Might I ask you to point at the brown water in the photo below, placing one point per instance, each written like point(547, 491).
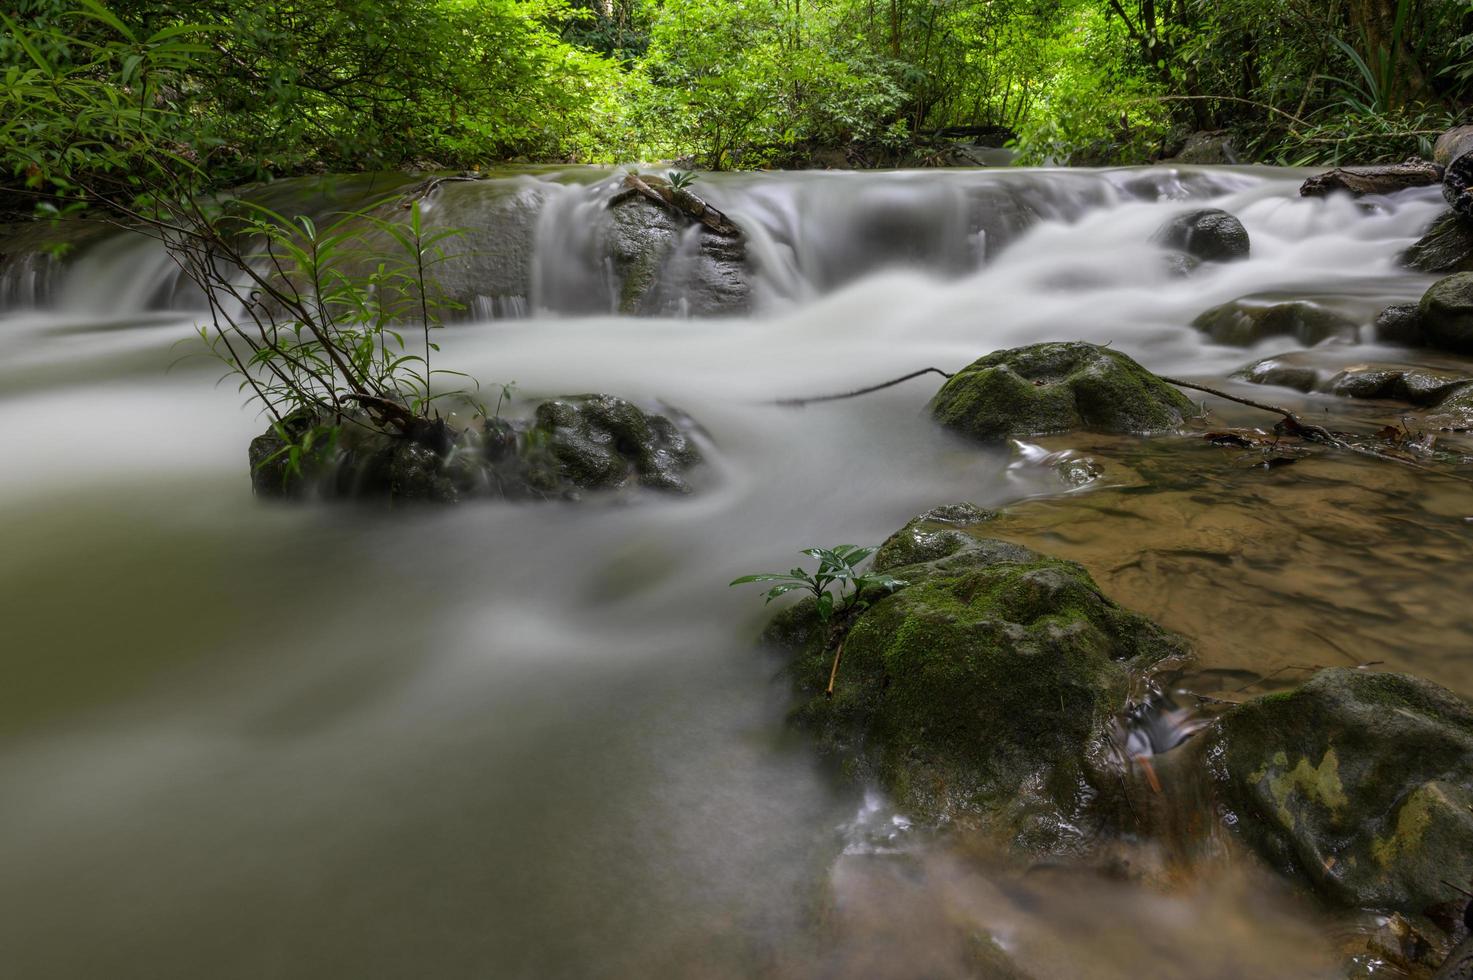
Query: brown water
point(239, 740)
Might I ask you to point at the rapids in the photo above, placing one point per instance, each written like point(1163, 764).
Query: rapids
point(243, 741)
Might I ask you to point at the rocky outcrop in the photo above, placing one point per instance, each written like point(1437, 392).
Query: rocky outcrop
point(1447, 313)
point(1360, 783)
point(1386, 179)
point(1400, 323)
point(1457, 186)
point(1205, 148)
point(1209, 235)
point(1453, 144)
point(980, 691)
point(1243, 323)
point(568, 446)
point(1446, 247)
point(1057, 387)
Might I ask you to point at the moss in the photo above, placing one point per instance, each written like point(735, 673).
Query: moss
point(1057, 387)
point(979, 691)
point(1359, 782)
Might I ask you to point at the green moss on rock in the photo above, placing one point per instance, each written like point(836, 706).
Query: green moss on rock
point(981, 691)
point(1361, 783)
point(1057, 387)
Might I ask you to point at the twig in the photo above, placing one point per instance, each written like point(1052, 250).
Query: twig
point(1314, 433)
point(834, 672)
point(800, 402)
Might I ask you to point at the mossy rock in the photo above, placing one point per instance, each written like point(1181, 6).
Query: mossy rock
point(1243, 324)
point(1400, 323)
point(1447, 313)
point(1446, 247)
point(1454, 413)
point(980, 692)
point(1279, 373)
point(569, 445)
point(1360, 783)
point(1057, 387)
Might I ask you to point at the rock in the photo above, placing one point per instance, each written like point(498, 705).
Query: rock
point(1242, 323)
point(1453, 144)
point(1386, 179)
point(1206, 148)
point(1447, 313)
point(1273, 371)
point(569, 445)
point(1457, 185)
point(1361, 783)
point(1209, 234)
point(1400, 324)
point(1057, 387)
point(1446, 247)
point(980, 691)
point(1416, 386)
point(1454, 413)
point(658, 270)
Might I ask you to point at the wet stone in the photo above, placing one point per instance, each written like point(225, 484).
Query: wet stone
point(1209, 234)
point(1243, 324)
point(1278, 373)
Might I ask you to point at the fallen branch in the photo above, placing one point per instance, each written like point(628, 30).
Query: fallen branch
point(1294, 426)
point(800, 402)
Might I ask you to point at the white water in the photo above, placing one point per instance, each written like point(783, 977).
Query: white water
point(240, 740)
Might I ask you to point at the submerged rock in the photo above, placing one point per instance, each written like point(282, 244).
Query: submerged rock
point(1278, 373)
point(1209, 234)
point(569, 445)
point(1416, 386)
point(1243, 324)
point(1400, 323)
point(1446, 247)
point(1454, 413)
point(1057, 387)
point(1385, 179)
point(980, 691)
point(1447, 313)
point(1360, 783)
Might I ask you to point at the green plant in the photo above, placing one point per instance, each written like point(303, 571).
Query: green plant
point(680, 179)
point(838, 586)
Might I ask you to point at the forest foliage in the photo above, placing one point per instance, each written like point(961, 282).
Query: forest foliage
point(249, 91)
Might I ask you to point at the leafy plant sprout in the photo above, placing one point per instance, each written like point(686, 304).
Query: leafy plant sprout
point(681, 179)
point(838, 587)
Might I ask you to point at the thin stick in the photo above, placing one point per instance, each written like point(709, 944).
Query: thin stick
point(834, 673)
point(800, 402)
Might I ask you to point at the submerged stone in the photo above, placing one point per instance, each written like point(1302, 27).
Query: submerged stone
point(1057, 387)
point(1275, 371)
point(1243, 324)
point(1417, 386)
point(980, 691)
point(569, 445)
point(1361, 783)
point(1447, 313)
point(1454, 413)
point(1209, 234)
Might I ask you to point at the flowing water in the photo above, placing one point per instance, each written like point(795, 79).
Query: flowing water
point(240, 740)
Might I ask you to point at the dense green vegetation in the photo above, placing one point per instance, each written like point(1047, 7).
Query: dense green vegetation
point(246, 91)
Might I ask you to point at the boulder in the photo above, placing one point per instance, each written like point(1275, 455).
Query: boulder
point(567, 446)
point(1385, 179)
point(1457, 185)
point(1453, 144)
point(1360, 783)
point(1447, 313)
point(1057, 387)
point(1416, 386)
point(1209, 234)
point(659, 269)
point(980, 691)
point(1243, 323)
point(1400, 323)
point(1206, 148)
point(1446, 247)
point(1276, 372)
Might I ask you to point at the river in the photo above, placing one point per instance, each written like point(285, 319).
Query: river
point(245, 740)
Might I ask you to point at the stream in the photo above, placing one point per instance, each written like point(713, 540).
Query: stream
point(241, 739)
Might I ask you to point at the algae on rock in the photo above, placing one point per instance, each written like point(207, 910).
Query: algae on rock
point(981, 691)
point(1057, 387)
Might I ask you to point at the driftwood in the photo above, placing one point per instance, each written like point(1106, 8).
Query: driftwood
point(1359, 181)
point(426, 187)
point(677, 200)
